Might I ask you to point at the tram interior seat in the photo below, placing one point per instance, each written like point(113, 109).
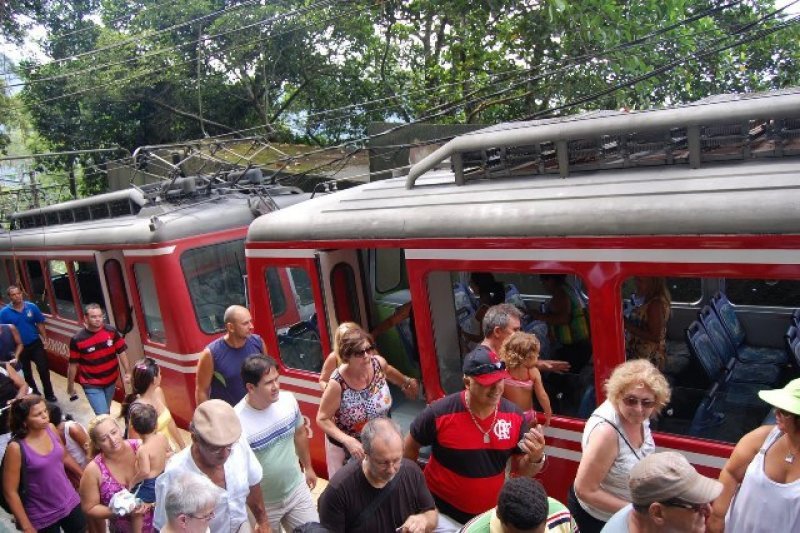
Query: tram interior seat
point(745, 372)
point(796, 318)
point(793, 344)
point(718, 377)
point(736, 334)
point(300, 347)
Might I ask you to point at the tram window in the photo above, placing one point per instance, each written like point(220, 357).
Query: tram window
point(87, 278)
point(716, 357)
point(345, 295)
point(148, 298)
point(390, 272)
point(472, 293)
point(120, 305)
point(62, 290)
point(215, 277)
point(38, 292)
point(682, 290)
point(296, 327)
point(764, 292)
point(5, 268)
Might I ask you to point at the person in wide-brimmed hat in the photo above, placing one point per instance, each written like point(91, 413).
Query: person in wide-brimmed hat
point(762, 478)
point(219, 452)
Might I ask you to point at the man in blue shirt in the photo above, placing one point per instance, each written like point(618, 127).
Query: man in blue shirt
point(29, 322)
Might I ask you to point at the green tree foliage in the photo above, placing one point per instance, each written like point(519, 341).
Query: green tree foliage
point(158, 71)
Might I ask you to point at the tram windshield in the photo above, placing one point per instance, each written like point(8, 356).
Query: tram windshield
point(215, 277)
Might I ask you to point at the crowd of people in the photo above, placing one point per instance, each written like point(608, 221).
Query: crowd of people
point(247, 465)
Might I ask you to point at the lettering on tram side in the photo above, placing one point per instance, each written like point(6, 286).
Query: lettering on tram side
point(56, 346)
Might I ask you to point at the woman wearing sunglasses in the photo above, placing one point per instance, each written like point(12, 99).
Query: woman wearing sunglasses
point(761, 480)
point(615, 438)
point(357, 392)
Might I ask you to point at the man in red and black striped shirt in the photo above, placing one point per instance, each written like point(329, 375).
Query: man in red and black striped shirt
point(95, 355)
point(473, 435)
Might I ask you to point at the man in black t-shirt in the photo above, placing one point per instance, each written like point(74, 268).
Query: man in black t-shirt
point(383, 493)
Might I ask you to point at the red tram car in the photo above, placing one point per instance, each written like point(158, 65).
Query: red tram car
point(163, 261)
point(705, 195)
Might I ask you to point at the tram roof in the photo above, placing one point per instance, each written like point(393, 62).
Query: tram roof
point(753, 197)
point(171, 222)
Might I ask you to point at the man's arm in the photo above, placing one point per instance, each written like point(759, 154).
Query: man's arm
point(205, 372)
point(332, 510)
point(420, 523)
point(303, 453)
point(255, 501)
point(72, 371)
point(411, 448)
point(42, 330)
point(17, 341)
point(125, 363)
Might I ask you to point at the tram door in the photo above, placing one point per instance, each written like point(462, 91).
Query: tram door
point(116, 290)
point(340, 272)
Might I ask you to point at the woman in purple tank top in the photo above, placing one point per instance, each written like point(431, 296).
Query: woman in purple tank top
point(50, 503)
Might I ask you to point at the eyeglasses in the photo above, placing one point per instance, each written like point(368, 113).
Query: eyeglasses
point(205, 518)
point(633, 401)
point(210, 448)
point(363, 352)
point(694, 507)
point(386, 464)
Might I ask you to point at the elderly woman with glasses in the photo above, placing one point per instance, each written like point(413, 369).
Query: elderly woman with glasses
point(357, 392)
point(615, 438)
point(761, 480)
point(189, 504)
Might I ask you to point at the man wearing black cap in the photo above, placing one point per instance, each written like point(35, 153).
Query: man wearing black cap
point(473, 434)
point(668, 495)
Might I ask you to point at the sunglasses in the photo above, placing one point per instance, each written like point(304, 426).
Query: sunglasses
point(486, 368)
point(694, 507)
point(633, 401)
point(363, 352)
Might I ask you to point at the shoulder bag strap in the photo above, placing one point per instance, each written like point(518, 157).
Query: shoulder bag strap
point(621, 434)
point(377, 501)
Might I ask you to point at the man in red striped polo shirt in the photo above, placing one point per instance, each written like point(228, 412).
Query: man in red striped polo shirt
point(95, 355)
point(474, 434)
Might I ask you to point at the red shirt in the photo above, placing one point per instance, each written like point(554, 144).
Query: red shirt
point(96, 355)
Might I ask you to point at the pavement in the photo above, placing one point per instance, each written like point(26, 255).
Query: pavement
point(82, 412)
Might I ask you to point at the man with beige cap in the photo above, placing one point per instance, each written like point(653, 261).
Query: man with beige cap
point(668, 495)
point(219, 452)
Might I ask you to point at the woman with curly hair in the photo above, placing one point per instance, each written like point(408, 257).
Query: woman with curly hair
point(520, 352)
point(615, 438)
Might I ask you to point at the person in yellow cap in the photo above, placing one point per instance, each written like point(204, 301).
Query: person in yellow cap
point(762, 477)
point(220, 453)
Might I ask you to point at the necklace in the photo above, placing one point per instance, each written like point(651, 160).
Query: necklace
point(789, 456)
point(486, 432)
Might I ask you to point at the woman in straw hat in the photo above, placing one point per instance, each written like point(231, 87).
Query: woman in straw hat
point(762, 478)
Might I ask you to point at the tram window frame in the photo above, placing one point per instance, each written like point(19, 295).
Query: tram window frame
point(5, 277)
point(58, 272)
point(383, 259)
point(149, 302)
point(214, 323)
point(42, 300)
point(120, 303)
point(628, 288)
point(766, 305)
point(300, 341)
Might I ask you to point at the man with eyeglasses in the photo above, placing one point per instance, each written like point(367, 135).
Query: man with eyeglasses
point(272, 423)
point(668, 495)
point(474, 433)
point(221, 453)
point(383, 493)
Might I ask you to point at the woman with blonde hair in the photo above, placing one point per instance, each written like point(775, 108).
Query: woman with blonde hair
point(112, 470)
point(520, 352)
point(333, 360)
point(647, 325)
point(615, 438)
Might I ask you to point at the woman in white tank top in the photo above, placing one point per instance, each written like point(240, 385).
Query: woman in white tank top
point(615, 438)
point(762, 478)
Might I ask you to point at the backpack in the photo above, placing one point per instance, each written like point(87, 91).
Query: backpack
point(23, 481)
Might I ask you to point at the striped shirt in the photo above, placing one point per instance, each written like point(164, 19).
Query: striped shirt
point(95, 353)
point(559, 520)
point(464, 473)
